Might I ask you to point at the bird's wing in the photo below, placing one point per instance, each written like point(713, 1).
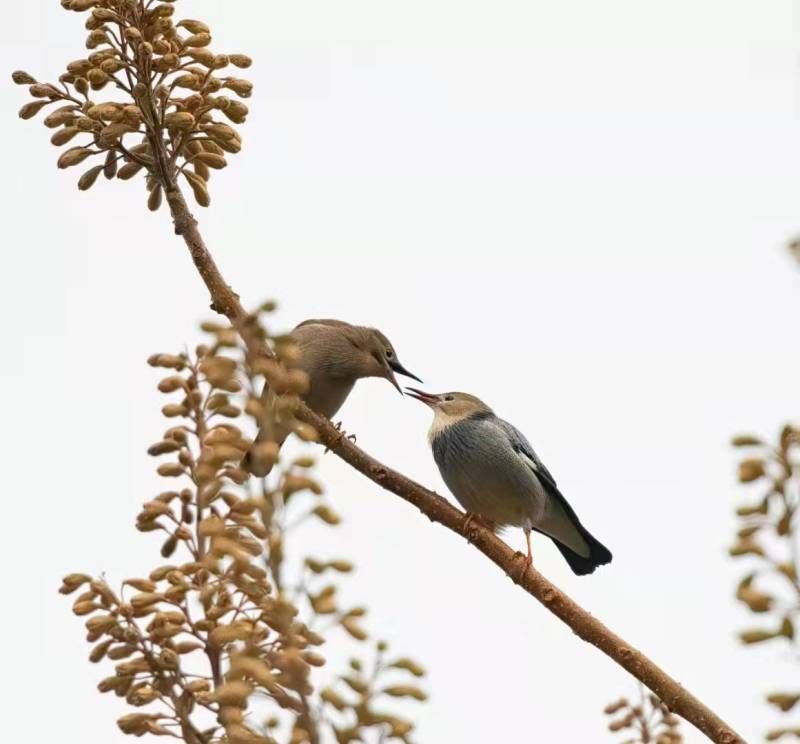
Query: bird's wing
point(525, 451)
point(560, 522)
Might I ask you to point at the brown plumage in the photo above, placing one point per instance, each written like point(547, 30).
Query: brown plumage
point(334, 355)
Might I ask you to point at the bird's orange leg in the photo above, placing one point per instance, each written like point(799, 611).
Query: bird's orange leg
point(526, 561)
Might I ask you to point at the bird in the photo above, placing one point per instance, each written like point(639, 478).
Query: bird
point(494, 473)
point(335, 355)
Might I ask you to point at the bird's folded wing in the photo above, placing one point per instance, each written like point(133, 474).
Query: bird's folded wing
point(560, 521)
point(523, 448)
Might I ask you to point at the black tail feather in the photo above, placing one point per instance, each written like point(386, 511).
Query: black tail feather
point(599, 554)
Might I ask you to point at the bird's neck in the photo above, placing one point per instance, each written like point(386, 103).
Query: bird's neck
point(441, 423)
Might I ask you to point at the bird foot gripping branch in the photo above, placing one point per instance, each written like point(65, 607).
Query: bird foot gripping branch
point(342, 436)
point(524, 562)
point(474, 520)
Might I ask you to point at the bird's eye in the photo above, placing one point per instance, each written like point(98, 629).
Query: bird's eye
point(389, 353)
point(449, 398)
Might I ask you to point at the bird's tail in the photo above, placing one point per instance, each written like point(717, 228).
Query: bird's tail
point(255, 463)
point(581, 565)
point(260, 458)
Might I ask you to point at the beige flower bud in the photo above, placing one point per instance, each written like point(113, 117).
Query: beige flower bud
point(20, 77)
point(88, 179)
point(199, 188)
point(241, 60)
point(60, 116)
point(202, 39)
point(73, 156)
point(241, 87)
point(193, 27)
point(405, 691)
point(203, 56)
point(42, 90)
point(62, 136)
point(29, 110)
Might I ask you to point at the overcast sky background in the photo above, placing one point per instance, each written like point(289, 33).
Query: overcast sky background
point(575, 210)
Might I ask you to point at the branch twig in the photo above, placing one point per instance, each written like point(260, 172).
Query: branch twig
point(583, 624)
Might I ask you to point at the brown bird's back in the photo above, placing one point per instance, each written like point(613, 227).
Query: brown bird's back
point(329, 357)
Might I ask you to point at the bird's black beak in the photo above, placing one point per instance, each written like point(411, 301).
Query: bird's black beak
point(427, 398)
point(401, 370)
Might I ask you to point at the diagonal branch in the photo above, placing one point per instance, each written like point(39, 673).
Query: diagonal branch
point(583, 624)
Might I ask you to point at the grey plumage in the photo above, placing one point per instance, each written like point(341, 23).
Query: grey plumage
point(494, 472)
point(334, 355)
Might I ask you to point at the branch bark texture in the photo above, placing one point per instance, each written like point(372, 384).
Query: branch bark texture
point(437, 509)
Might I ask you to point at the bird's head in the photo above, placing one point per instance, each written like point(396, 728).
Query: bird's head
point(450, 406)
point(377, 357)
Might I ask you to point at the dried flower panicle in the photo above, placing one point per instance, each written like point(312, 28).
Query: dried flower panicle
point(149, 97)
point(221, 641)
point(354, 698)
point(767, 539)
point(647, 722)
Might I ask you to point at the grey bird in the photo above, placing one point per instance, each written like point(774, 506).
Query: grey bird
point(334, 355)
point(497, 477)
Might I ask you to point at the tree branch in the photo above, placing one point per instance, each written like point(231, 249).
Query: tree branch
point(583, 624)
point(437, 509)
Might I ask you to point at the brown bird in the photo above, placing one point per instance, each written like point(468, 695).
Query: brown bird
point(334, 355)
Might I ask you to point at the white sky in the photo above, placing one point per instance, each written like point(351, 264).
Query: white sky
point(575, 210)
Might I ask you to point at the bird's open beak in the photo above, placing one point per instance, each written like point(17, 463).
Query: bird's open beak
point(390, 376)
point(427, 398)
point(401, 370)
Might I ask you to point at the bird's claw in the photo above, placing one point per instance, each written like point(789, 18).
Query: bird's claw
point(476, 520)
point(342, 435)
point(469, 530)
point(525, 562)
